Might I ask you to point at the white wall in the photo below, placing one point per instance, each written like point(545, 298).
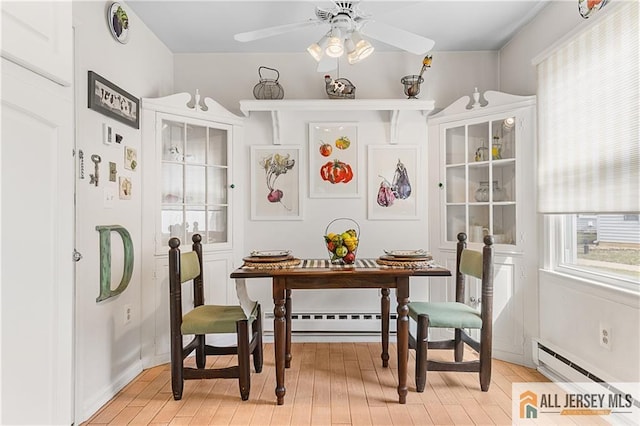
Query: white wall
point(108, 351)
point(571, 313)
point(572, 310)
point(517, 73)
point(228, 78)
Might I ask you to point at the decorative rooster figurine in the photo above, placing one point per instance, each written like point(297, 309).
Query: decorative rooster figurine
point(339, 88)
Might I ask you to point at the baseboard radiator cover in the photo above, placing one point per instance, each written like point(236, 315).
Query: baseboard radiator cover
point(334, 322)
point(560, 366)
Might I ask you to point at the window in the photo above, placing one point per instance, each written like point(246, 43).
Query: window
point(589, 148)
point(606, 246)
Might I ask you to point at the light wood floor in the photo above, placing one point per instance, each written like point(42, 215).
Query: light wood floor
point(327, 384)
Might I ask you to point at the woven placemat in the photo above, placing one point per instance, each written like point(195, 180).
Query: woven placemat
point(404, 263)
point(272, 265)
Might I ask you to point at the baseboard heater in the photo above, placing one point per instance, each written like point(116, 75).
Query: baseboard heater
point(559, 366)
point(333, 322)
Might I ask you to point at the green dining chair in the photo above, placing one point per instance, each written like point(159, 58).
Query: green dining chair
point(460, 317)
point(208, 319)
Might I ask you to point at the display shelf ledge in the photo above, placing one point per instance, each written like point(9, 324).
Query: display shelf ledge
point(395, 107)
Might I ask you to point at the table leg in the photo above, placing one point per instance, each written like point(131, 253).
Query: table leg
point(384, 309)
point(402, 294)
point(287, 304)
point(279, 335)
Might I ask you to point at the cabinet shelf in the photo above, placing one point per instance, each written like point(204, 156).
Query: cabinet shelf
point(395, 107)
point(479, 164)
point(453, 166)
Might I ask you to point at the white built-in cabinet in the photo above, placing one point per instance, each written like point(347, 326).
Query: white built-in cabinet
point(482, 175)
point(188, 188)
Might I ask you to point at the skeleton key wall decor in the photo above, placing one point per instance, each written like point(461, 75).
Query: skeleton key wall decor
point(94, 177)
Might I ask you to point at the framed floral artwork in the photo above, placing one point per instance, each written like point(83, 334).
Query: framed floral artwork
point(394, 178)
point(333, 160)
point(276, 183)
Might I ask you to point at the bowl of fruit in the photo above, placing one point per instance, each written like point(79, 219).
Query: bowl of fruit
point(341, 238)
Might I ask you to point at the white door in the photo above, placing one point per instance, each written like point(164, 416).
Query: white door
point(37, 35)
point(37, 243)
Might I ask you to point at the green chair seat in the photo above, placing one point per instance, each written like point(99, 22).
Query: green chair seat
point(446, 314)
point(209, 319)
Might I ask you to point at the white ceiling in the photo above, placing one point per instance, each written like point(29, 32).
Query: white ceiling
point(209, 26)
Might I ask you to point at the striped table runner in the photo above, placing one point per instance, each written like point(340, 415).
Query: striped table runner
point(325, 263)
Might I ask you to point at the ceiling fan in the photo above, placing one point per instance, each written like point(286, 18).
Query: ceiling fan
point(347, 24)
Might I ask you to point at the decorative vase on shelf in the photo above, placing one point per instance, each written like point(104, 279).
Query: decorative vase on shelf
point(482, 193)
point(496, 149)
point(412, 82)
point(412, 85)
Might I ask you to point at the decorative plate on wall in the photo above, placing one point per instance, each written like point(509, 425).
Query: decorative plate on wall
point(118, 22)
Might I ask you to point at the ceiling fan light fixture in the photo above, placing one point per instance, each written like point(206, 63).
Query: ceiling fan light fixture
point(362, 48)
point(335, 48)
point(316, 51)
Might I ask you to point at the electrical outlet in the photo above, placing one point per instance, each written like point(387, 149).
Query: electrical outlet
point(605, 336)
point(127, 314)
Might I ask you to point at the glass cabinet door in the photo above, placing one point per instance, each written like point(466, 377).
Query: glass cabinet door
point(480, 179)
point(194, 181)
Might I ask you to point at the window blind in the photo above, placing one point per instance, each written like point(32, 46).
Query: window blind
point(588, 108)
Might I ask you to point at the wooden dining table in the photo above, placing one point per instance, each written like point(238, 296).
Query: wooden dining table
point(321, 274)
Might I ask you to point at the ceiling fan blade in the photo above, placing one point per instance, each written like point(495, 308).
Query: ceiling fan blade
point(402, 39)
point(273, 31)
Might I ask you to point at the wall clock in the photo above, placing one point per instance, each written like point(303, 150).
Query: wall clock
point(118, 22)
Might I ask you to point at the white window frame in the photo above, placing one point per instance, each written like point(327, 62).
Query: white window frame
point(556, 235)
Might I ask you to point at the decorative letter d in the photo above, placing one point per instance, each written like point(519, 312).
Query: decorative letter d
point(105, 261)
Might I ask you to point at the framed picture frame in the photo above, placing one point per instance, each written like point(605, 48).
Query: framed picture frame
point(110, 100)
point(276, 182)
point(394, 179)
point(130, 158)
point(334, 170)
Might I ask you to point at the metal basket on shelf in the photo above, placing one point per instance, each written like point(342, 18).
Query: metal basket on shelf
point(268, 88)
point(341, 237)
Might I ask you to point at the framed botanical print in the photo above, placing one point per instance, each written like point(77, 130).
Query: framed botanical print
point(393, 189)
point(276, 182)
point(333, 160)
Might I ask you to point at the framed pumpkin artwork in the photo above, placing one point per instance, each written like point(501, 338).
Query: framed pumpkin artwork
point(334, 160)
